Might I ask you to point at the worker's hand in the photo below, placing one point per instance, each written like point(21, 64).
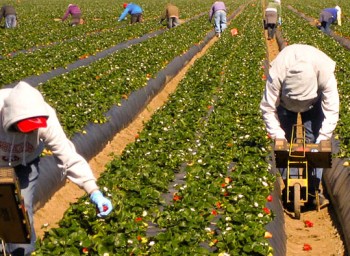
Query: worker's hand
point(103, 204)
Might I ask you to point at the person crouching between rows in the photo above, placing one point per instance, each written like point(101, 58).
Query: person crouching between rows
point(218, 11)
point(272, 16)
point(329, 16)
point(9, 13)
point(135, 12)
point(28, 125)
point(171, 15)
point(75, 12)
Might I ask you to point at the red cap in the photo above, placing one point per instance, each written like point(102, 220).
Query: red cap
point(125, 5)
point(33, 123)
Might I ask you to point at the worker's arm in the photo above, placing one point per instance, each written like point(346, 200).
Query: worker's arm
point(330, 108)
point(268, 107)
point(65, 16)
point(124, 13)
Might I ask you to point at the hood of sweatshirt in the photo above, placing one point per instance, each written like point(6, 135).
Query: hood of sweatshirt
point(24, 101)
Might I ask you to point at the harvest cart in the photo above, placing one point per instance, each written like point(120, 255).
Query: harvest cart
point(298, 158)
point(14, 221)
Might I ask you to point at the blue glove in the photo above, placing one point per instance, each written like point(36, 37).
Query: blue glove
point(103, 204)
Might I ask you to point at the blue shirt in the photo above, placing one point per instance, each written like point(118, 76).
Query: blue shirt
point(130, 9)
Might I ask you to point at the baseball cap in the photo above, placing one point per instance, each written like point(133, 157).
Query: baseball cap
point(31, 124)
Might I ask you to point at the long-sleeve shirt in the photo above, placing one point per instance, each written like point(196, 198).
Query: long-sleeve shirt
point(217, 6)
point(16, 148)
point(7, 10)
point(336, 14)
point(130, 9)
point(72, 10)
point(274, 94)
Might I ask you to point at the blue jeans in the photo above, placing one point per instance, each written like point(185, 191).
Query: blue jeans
point(220, 21)
point(173, 22)
point(27, 176)
point(312, 121)
point(10, 21)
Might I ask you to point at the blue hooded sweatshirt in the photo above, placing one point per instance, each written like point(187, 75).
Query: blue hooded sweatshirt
point(131, 9)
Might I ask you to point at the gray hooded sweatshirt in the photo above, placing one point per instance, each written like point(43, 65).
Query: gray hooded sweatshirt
point(16, 148)
point(298, 77)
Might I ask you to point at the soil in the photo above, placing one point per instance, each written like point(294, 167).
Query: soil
point(323, 236)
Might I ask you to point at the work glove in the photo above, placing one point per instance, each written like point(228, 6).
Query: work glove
point(102, 203)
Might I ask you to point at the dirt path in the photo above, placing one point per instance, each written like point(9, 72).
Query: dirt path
point(48, 216)
point(320, 237)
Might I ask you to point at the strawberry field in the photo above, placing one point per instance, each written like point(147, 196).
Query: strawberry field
point(197, 180)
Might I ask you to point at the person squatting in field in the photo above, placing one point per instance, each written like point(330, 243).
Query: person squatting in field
point(272, 16)
point(134, 10)
point(171, 15)
point(75, 12)
point(301, 80)
point(218, 11)
point(9, 13)
point(27, 126)
point(329, 16)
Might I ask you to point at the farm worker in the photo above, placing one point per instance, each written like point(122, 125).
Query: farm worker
point(218, 11)
point(272, 16)
point(75, 12)
point(9, 13)
point(171, 14)
point(27, 125)
point(329, 16)
point(301, 80)
point(134, 10)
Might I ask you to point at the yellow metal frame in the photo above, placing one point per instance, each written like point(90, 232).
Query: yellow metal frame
point(302, 178)
point(298, 161)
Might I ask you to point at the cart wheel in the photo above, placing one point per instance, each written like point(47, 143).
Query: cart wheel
point(297, 201)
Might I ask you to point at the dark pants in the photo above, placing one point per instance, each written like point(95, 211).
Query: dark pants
point(326, 20)
point(271, 30)
point(136, 18)
point(312, 121)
